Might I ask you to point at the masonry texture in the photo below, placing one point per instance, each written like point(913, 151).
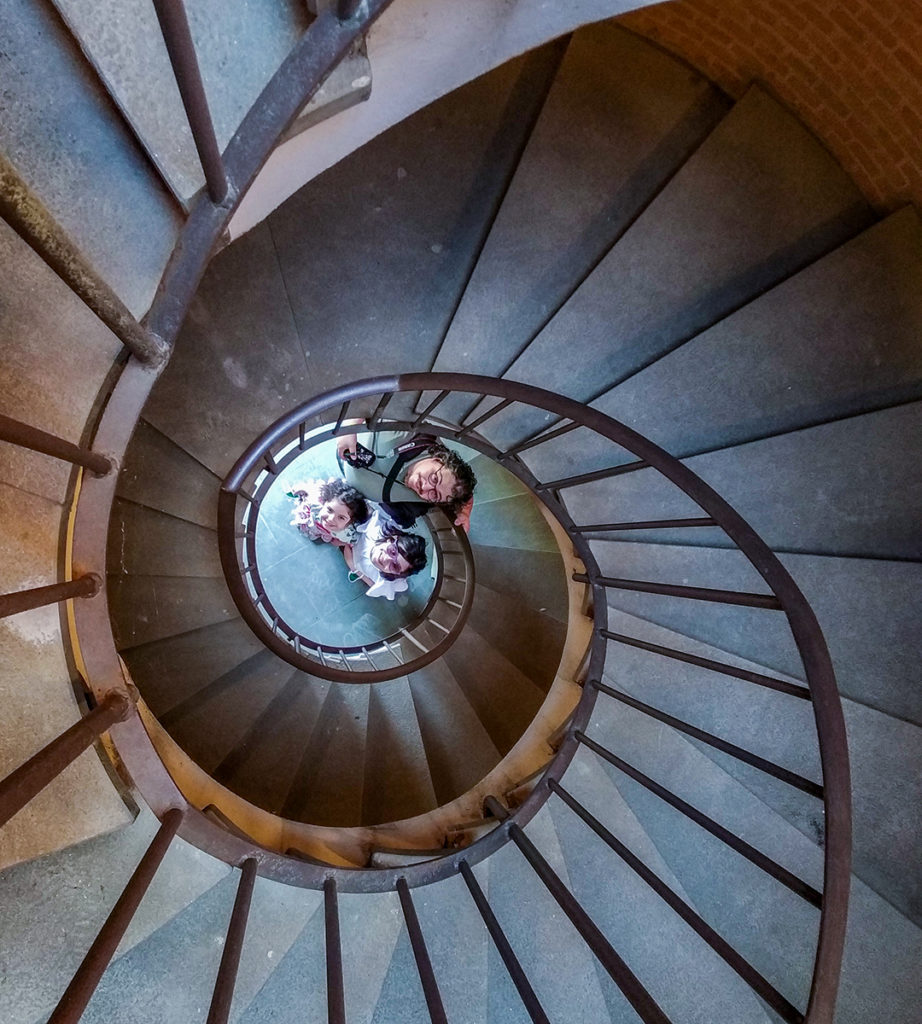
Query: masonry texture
point(850, 69)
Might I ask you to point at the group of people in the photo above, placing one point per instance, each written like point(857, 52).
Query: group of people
point(389, 479)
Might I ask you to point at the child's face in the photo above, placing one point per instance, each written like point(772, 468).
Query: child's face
point(334, 515)
point(386, 557)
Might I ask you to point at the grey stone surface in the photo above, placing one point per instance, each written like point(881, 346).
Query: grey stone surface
point(397, 780)
point(493, 481)
point(37, 696)
point(757, 201)
point(213, 720)
point(566, 983)
point(144, 542)
point(415, 213)
point(125, 44)
point(237, 365)
point(458, 748)
point(532, 579)
point(159, 474)
point(839, 338)
point(864, 606)
point(458, 943)
point(328, 787)
point(620, 118)
point(64, 137)
point(513, 522)
point(148, 608)
point(682, 974)
point(58, 902)
point(504, 698)
point(175, 669)
point(265, 760)
point(43, 344)
point(297, 986)
point(772, 927)
point(845, 488)
point(531, 641)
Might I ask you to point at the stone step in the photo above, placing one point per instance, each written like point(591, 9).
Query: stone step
point(513, 522)
point(531, 640)
point(621, 117)
point(398, 783)
point(459, 750)
point(124, 43)
point(215, 719)
point(148, 608)
point(778, 364)
point(758, 201)
point(885, 751)
point(65, 920)
point(763, 920)
point(682, 974)
point(145, 542)
point(159, 474)
point(842, 488)
point(504, 699)
point(175, 669)
point(187, 950)
point(100, 187)
point(264, 764)
point(329, 785)
point(529, 579)
point(557, 962)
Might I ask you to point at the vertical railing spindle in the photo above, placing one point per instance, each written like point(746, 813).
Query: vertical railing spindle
point(336, 997)
point(219, 1012)
point(423, 963)
point(80, 991)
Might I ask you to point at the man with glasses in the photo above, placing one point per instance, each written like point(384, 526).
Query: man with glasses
point(407, 475)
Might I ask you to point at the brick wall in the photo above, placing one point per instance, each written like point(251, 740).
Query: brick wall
point(850, 69)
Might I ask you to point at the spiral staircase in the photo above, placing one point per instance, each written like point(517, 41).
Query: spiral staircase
point(626, 718)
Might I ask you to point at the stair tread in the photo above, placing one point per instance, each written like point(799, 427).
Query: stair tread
point(613, 156)
point(681, 973)
point(505, 700)
point(100, 187)
point(101, 865)
point(531, 640)
point(174, 669)
point(145, 542)
point(459, 750)
point(148, 608)
point(532, 579)
point(397, 783)
point(779, 363)
point(566, 984)
point(513, 522)
point(431, 202)
point(125, 44)
point(83, 354)
point(329, 784)
point(827, 489)
point(158, 473)
point(758, 200)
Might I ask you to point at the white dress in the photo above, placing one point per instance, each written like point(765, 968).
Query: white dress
point(369, 533)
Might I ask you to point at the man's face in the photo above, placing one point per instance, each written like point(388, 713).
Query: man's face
point(431, 481)
point(385, 556)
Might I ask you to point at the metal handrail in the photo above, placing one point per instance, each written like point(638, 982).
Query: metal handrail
point(239, 502)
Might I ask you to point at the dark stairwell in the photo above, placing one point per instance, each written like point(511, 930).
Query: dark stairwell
point(700, 270)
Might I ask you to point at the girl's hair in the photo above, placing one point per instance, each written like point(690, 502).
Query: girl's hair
point(349, 496)
point(463, 474)
point(411, 546)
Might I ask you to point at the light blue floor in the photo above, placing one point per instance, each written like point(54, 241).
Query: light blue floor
point(307, 582)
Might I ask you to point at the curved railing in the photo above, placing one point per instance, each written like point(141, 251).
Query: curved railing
point(326, 42)
point(422, 639)
point(395, 403)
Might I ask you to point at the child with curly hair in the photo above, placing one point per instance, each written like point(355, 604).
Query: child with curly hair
point(328, 511)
